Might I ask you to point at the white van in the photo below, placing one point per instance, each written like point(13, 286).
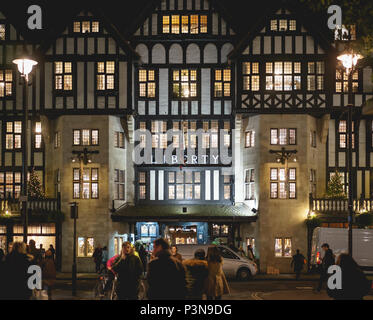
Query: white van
point(337, 238)
point(234, 266)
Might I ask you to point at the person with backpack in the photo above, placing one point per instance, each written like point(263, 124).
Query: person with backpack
point(297, 263)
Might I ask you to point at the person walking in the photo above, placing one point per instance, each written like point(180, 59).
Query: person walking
point(129, 270)
point(97, 257)
point(49, 273)
point(105, 257)
point(41, 251)
point(53, 251)
point(250, 252)
point(216, 284)
point(196, 273)
point(34, 252)
point(15, 274)
point(297, 263)
point(355, 285)
point(327, 261)
point(166, 275)
point(143, 256)
point(176, 255)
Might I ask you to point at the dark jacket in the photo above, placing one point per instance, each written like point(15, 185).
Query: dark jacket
point(298, 261)
point(196, 273)
point(14, 277)
point(354, 286)
point(129, 272)
point(328, 260)
point(166, 278)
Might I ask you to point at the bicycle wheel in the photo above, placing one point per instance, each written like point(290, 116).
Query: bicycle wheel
point(113, 292)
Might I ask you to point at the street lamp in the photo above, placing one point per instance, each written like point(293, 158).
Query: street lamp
point(349, 60)
point(25, 65)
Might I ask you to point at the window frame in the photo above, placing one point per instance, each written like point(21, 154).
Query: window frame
point(120, 181)
point(90, 137)
point(273, 75)
point(283, 240)
point(168, 28)
point(147, 84)
point(63, 74)
point(90, 32)
point(3, 72)
point(287, 183)
point(248, 74)
point(222, 82)
point(80, 182)
point(179, 82)
point(287, 137)
point(106, 74)
point(317, 74)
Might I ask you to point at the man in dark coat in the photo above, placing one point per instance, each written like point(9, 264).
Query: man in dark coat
point(97, 257)
point(327, 261)
point(196, 272)
point(166, 276)
point(298, 263)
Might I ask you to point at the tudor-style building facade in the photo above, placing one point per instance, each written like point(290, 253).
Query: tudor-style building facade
point(182, 70)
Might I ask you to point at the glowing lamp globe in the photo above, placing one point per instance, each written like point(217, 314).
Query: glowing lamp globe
point(349, 60)
point(25, 66)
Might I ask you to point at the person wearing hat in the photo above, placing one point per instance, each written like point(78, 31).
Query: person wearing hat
point(48, 273)
point(196, 273)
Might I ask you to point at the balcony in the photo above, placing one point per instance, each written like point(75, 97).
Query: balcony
point(338, 207)
point(48, 209)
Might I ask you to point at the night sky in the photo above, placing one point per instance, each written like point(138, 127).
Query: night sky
point(240, 14)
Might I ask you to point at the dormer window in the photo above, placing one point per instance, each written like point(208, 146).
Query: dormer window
point(86, 26)
point(179, 24)
point(2, 31)
point(283, 25)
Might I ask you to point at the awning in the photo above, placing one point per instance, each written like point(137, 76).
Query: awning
point(198, 213)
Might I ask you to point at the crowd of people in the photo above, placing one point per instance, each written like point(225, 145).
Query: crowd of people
point(168, 276)
point(14, 270)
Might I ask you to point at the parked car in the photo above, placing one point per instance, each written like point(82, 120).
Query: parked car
point(234, 266)
point(337, 238)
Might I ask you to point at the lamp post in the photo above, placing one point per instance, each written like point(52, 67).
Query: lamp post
point(349, 60)
point(25, 65)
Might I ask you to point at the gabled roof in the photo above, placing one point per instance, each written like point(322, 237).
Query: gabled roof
point(308, 20)
point(108, 25)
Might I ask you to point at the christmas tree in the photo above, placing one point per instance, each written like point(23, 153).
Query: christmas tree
point(34, 187)
point(335, 187)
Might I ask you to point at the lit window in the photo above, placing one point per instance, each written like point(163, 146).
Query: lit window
point(249, 184)
point(85, 247)
point(6, 83)
point(63, 76)
point(341, 84)
point(2, 31)
point(142, 185)
point(222, 86)
point(88, 187)
point(273, 25)
point(13, 137)
point(282, 183)
point(10, 184)
point(86, 26)
point(283, 247)
point(105, 75)
point(57, 139)
point(283, 25)
point(184, 185)
point(184, 83)
point(193, 24)
point(250, 71)
point(315, 77)
point(147, 86)
point(119, 180)
point(283, 136)
point(283, 76)
point(249, 139)
point(119, 139)
point(85, 137)
point(343, 136)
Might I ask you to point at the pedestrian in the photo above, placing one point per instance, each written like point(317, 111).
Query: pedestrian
point(97, 257)
point(2, 255)
point(250, 252)
point(196, 273)
point(355, 285)
point(175, 254)
point(216, 284)
point(49, 273)
point(297, 263)
point(41, 251)
point(143, 256)
point(51, 249)
point(327, 261)
point(166, 275)
point(15, 273)
point(34, 252)
point(105, 257)
point(129, 270)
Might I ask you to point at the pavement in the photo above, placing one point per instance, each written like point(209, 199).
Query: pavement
point(262, 287)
